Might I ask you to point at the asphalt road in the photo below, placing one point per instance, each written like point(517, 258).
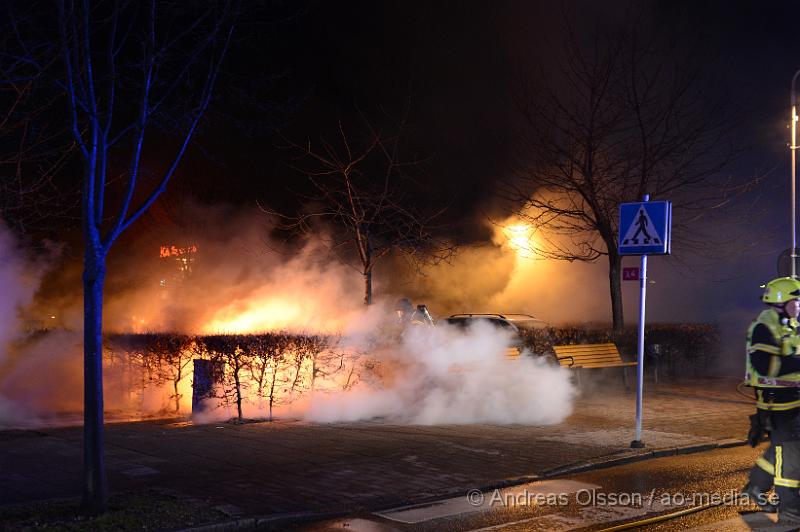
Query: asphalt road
point(593, 500)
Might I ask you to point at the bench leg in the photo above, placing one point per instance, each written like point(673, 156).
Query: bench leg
point(625, 377)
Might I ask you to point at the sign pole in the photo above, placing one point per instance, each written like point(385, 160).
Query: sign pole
point(644, 228)
point(793, 150)
point(637, 443)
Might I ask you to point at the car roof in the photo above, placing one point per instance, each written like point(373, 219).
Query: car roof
point(517, 319)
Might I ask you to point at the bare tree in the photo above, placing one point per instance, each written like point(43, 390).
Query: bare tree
point(621, 117)
point(33, 149)
point(267, 354)
point(277, 370)
point(174, 353)
point(140, 365)
point(234, 350)
point(307, 349)
point(322, 352)
point(125, 70)
point(362, 189)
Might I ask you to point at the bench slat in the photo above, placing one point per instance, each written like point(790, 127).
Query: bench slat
point(616, 365)
point(584, 346)
point(596, 355)
point(585, 356)
point(587, 353)
point(590, 356)
point(599, 365)
point(602, 349)
point(594, 363)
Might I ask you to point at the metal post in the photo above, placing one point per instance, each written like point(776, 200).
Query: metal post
point(793, 149)
point(637, 443)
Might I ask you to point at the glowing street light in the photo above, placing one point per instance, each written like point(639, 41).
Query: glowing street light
point(793, 149)
point(519, 238)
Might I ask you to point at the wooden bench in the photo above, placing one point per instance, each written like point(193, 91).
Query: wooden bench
point(591, 356)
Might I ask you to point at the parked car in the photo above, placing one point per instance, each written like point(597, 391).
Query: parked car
point(513, 323)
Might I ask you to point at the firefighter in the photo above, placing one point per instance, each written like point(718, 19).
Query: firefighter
point(424, 316)
point(773, 370)
point(404, 310)
point(406, 315)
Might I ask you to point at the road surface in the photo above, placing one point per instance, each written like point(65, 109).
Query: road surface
point(593, 500)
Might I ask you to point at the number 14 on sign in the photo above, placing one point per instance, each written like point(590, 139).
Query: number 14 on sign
point(630, 274)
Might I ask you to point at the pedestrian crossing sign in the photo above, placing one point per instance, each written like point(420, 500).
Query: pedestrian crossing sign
point(645, 228)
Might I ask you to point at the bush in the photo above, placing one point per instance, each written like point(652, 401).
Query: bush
point(272, 367)
point(680, 348)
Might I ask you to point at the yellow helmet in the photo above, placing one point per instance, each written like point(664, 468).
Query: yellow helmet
point(781, 290)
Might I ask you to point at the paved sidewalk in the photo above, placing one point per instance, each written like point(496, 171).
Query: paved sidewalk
point(291, 466)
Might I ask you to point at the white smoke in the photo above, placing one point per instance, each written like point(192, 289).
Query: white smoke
point(19, 279)
point(449, 375)
point(439, 375)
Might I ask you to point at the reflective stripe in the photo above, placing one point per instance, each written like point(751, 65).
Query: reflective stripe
point(774, 366)
point(787, 483)
point(770, 319)
point(771, 349)
point(779, 479)
point(764, 464)
point(769, 382)
point(777, 407)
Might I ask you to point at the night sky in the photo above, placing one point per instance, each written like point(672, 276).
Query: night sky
point(456, 67)
point(298, 68)
point(459, 65)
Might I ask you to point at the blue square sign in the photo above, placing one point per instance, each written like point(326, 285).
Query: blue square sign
point(645, 228)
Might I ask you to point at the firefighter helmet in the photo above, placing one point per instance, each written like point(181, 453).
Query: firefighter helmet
point(404, 305)
point(781, 290)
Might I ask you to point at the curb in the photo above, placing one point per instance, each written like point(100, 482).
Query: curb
point(266, 522)
point(639, 456)
point(281, 521)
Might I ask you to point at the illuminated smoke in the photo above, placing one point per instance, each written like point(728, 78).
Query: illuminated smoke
point(507, 275)
point(240, 284)
point(449, 375)
point(18, 281)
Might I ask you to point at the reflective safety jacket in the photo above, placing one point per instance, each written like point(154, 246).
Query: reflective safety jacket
point(773, 361)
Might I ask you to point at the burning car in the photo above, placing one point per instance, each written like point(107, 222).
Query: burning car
point(513, 323)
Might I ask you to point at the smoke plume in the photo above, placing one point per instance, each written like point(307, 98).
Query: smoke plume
point(19, 278)
point(449, 375)
point(224, 274)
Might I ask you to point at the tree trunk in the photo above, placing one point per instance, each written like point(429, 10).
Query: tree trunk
point(298, 365)
point(272, 389)
point(368, 287)
point(367, 270)
point(614, 271)
point(95, 486)
point(238, 391)
point(177, 395)
point(313, 371)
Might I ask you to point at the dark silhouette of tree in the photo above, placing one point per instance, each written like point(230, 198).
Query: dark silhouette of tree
point(307, 349)
point(266, 350)
point(364, 194)
point(174, 353)
point(33, 149)
point(140, 365)
point(137, 78)
point(619, 117)
point(237, 355)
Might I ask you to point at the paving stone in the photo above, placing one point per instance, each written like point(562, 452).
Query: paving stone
point(287, 466)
